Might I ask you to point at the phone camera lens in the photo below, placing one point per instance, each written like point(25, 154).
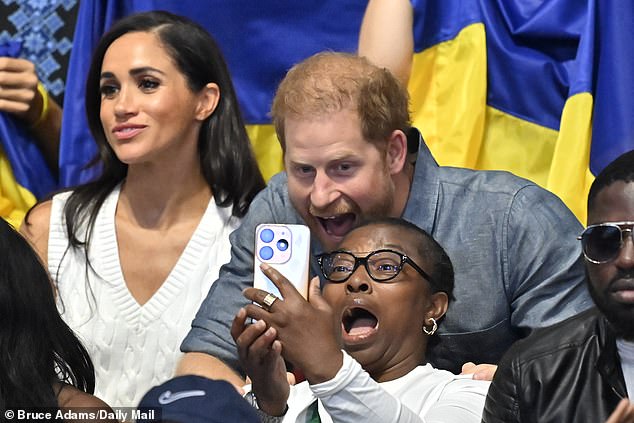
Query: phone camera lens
point(282, 245)
point(267, 235)
point(266, 253)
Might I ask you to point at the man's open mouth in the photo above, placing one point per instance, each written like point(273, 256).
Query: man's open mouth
point(338, 225)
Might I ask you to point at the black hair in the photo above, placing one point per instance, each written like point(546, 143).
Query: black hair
point(620, 169)
point(37, 348)
point(426, 246)
point(226, 157)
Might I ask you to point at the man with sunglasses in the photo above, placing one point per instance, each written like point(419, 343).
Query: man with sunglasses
point(350, 155)
point(583, 368)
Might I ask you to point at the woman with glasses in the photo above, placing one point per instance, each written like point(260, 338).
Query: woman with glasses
point(361, 338)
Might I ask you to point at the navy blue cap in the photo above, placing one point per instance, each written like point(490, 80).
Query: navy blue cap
point(195, 399)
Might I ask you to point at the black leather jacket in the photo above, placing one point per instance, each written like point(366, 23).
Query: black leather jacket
point(569, 372)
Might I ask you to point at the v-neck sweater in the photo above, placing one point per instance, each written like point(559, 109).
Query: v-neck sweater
point(133, 346)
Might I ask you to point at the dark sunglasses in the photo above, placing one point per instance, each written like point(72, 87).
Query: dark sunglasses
point(381, 265)
point(602, 243)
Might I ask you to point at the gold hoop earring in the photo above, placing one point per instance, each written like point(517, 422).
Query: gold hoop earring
point(433, 329)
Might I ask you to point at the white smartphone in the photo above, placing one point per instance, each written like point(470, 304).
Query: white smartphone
point(287, 249)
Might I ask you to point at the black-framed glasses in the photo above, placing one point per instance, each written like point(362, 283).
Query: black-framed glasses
point(381, 265)
point(602, 243)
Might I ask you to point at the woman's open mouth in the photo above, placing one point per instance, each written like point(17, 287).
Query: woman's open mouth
point(358, 324)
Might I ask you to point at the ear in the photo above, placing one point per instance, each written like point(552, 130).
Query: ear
point(208, 99)
point(438, 306)
point(397, 151)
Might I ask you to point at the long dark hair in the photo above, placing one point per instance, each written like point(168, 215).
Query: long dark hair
point(37, 348)
point(226, 158)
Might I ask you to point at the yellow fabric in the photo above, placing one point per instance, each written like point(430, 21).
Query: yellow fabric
point(448, 96)
point(570, 177)
point(15, 200)
point(267, 149)
point(448, 91)
point(45, 104)
point(517, 145)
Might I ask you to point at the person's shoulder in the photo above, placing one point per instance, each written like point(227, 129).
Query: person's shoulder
point(428, 378)
point(71, 398)
point(560, 338)
point(523, 199)
point(276, 191)
point(35, 228)
point(494, 181)
point(273, 204)
point(38, 218)
point(277, 181)
point(39, 215)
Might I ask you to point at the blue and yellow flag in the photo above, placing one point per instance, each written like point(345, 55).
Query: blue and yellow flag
point(541, 88)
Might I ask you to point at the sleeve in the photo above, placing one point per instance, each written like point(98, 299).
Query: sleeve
point(352, 396)
point(502, 403)
point(543, 262)
point(210, 332)
point(461, 400)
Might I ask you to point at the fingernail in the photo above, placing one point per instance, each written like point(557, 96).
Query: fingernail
point(265, 266)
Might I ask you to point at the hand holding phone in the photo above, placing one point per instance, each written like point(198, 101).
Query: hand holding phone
point(287, 249)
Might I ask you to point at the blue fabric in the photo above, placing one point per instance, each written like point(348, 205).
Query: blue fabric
point(613, 120)
point(260, 41)
point(541, 52)
point(27, 162)
point(531, 56)
point(438, 21)
point(516, 259)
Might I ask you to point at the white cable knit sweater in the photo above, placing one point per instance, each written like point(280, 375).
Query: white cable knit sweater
point(133, 347)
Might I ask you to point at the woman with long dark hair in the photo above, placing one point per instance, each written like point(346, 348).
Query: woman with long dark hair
point(134, 252)
point(42, 363)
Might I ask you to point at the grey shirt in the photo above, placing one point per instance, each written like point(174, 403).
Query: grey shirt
point(513, 245)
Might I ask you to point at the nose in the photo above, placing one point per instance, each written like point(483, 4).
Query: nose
point(324, 191)
point(625, 259)
point(124, 104)
point(359, 282)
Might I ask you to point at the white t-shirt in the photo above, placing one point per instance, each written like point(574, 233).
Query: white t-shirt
point(626, 353)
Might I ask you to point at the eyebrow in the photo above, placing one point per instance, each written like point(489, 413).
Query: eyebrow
point(388, 246)
point(395, 247)
point(338, 159)
point(134, 72)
